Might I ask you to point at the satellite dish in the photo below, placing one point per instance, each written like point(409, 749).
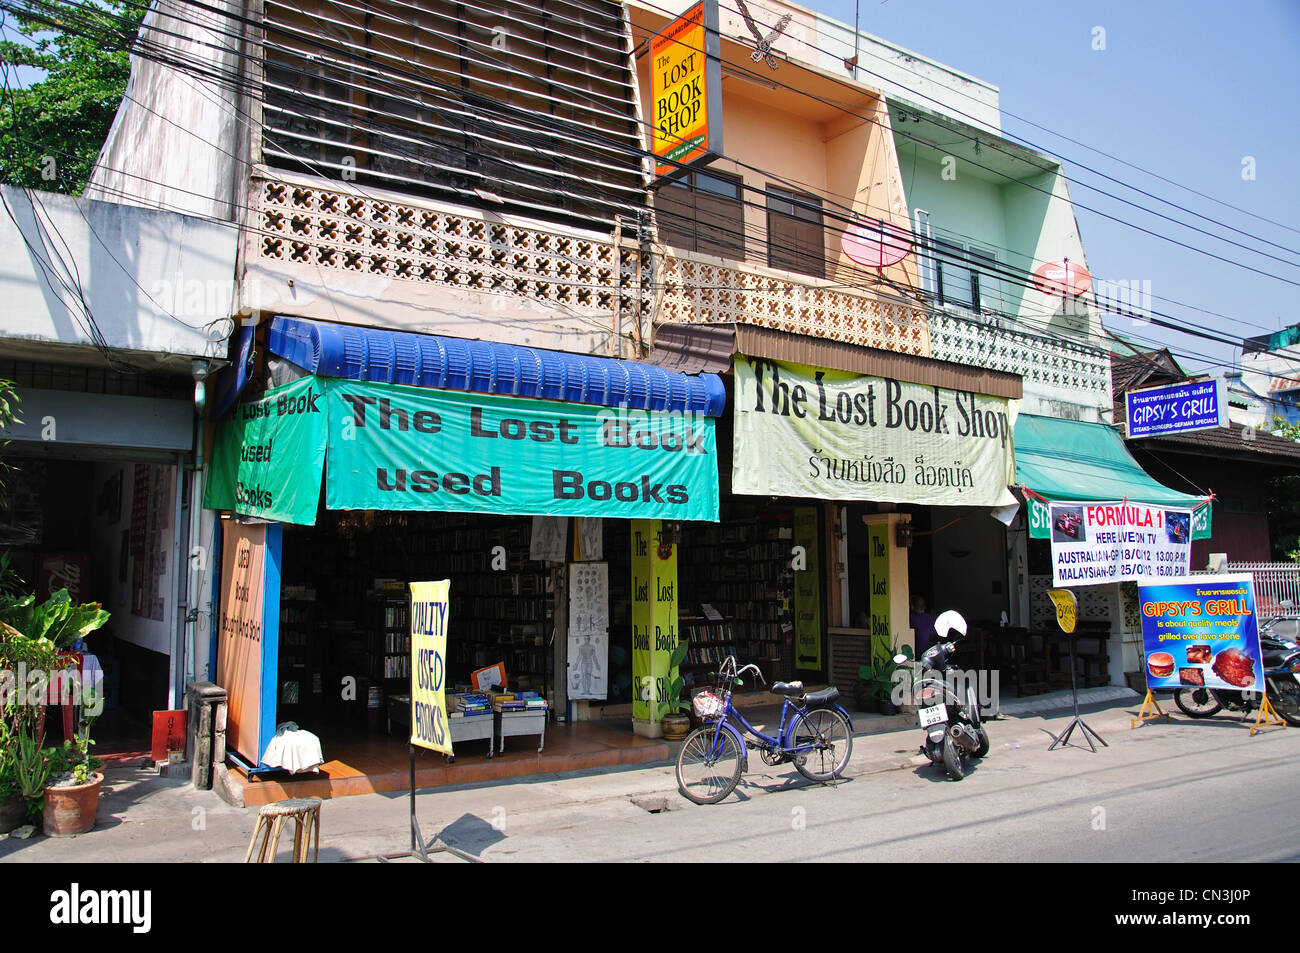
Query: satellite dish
point(1062, 278)
point(875, 243)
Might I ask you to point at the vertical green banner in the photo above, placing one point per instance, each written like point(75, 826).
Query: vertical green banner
point(269, 453)
point(807, 591)
point(654, 620)
point(878, 573)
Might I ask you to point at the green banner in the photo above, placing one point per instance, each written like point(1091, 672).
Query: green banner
point(1040, 524)
point(393, 447)
point(654, 621)
point(268, 455)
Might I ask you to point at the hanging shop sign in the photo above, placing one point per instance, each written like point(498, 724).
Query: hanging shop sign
point(807, 591)
point(1040, 518)
point(393, 447)
point(1201, 632)
point(1177, 408)
point(1098, 543)
point(686, 91)
point(429, 611)
point(832, 435)
point(267, 457)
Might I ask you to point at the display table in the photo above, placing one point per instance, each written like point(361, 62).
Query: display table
point(510, 723)
point(464, 728)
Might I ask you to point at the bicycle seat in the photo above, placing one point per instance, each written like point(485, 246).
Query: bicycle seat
point(823, 697)
point(788, 689)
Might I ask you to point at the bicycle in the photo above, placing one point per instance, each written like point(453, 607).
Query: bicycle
point(815, 735)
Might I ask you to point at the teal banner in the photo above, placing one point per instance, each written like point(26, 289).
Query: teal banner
point(268, 455)
point(393, 447)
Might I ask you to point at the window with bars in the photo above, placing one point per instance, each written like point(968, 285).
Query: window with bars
point(531, 102)
point(795, 232)
point(703, 212)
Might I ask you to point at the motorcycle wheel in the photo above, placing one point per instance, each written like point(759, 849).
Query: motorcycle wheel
point(952, 759)
point(1197, 702)
point(983, 749)
point(1284, 694)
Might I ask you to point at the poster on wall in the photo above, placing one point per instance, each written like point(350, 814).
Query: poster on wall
point(589, 666)
point(429, 610)
point(588, 598)
point(239, 632)
point(832, 435)
point(546, 544)
point(1201, 632)
point(1098, 543)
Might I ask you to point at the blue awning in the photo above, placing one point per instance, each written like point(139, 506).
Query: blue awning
point(489, 367)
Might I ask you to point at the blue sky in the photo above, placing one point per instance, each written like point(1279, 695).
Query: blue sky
point(1183, 89)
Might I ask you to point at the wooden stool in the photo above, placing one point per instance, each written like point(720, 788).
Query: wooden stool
point(305, 812)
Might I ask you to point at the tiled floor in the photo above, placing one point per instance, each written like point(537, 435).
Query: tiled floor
point(364, 763)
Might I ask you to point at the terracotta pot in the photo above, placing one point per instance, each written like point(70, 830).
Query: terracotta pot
point(676, 726)
point(13, 813)
point(71, 810)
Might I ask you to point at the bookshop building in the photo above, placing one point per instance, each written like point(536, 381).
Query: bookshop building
point(547, 487)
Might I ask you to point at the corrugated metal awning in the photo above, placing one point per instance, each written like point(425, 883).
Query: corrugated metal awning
point(488, 367)
point(696, 347)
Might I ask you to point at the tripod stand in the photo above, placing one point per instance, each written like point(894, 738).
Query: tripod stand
point(1063, 738)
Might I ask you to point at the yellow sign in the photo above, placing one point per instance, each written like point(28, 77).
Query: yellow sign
point(1067, 608)
point(654, 620)
point(429, 608)
point(682, 76)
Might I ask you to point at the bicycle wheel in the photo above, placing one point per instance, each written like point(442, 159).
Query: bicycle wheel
point(708, 766)
point(822, 741)
point(1197, 702)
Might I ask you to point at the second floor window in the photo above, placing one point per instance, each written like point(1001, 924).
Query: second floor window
point(795, 233)
point(959, 273)
point(703, 212)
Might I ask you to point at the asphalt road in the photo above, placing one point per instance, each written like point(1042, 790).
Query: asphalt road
point(1181, 792)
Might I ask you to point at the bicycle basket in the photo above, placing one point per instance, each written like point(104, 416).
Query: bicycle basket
point(707, 705)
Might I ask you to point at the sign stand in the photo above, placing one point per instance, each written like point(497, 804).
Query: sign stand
point(1267, 716)
point(418, 849)
point(1150, 711)
point(1067, 612)
point(1063, 739)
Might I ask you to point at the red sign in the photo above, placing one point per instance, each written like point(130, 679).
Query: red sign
point(168, 733)
point(876, 243)
point(1061, 278)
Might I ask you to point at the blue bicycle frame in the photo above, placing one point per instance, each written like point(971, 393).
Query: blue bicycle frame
point(782, 744)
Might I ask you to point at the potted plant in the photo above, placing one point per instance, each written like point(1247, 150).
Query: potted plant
point(874, 689)
point(676, 723)
point(72, 792)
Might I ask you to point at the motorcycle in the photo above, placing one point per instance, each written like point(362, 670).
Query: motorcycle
point(951, 721)
point(1281, 682)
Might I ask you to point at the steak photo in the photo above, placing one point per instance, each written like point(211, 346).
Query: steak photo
point(1235, 667)
point(1191, 676)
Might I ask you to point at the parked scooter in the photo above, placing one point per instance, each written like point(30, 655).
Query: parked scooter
point(951, 721)
point(1281, 682)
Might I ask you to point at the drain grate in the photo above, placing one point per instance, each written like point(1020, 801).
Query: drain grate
point(652, 805)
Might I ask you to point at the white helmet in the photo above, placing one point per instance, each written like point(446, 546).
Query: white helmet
point(947, 621)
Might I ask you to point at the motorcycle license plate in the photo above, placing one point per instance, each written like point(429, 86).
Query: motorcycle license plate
point(932, 716)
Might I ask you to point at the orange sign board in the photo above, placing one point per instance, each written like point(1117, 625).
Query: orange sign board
point(239, 646)
point(685, 89)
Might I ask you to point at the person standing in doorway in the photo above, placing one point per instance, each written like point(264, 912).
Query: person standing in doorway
point(922, 624)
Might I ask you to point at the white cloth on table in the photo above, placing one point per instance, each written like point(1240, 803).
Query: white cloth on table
point(293, 749)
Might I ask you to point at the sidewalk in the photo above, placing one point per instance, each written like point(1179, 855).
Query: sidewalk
point(145, 818)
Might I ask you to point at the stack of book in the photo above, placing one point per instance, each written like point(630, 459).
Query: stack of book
point(468, 704)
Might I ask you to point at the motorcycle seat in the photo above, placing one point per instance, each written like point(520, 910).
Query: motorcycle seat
point(788, 689)
point(823, 697)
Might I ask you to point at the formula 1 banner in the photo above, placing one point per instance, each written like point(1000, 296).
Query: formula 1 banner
point(1201, 632)
point(1098, 543)
point(429, 610)
point(832, 435)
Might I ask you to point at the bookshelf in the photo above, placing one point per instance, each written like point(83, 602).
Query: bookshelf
point(742, 569)
point(301, 668)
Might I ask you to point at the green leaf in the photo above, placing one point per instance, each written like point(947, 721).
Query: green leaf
point(679, 654)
